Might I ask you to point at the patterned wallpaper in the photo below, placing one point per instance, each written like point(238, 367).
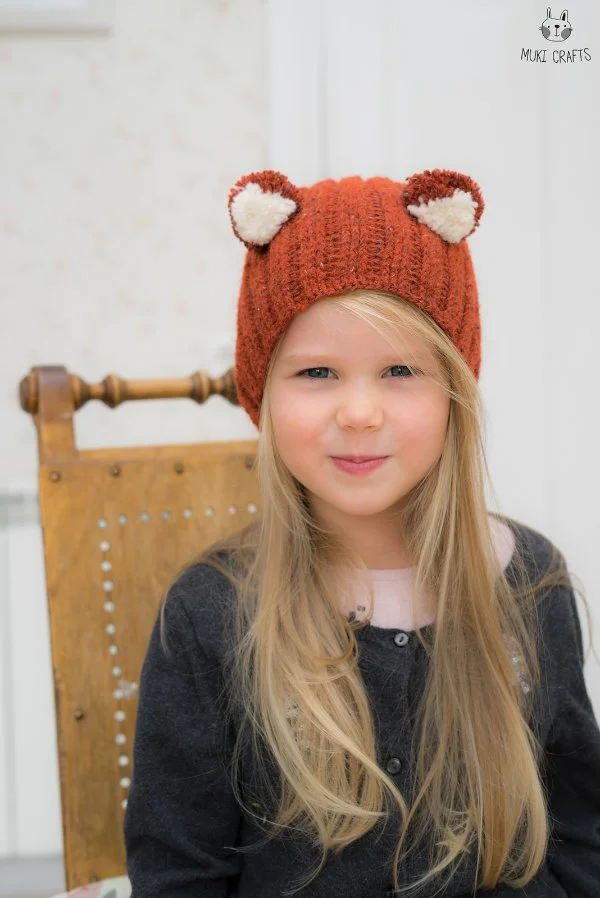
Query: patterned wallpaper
point(116, 252)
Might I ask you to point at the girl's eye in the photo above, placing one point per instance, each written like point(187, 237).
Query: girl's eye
point(405, 368)
point(307, 370)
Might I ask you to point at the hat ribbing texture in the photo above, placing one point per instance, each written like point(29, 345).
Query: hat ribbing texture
point(348, 235)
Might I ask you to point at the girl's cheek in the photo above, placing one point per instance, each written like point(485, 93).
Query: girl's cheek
point(422, 427)
point(297, 414)
point(293, 423)
point(295, 428)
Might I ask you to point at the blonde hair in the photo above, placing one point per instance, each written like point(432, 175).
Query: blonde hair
point(294, 663)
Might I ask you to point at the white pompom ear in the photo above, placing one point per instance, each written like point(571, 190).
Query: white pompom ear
point(452, 217)
point(448, 202)
point(259, 214)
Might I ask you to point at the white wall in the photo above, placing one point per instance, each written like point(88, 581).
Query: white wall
point(117, 152)
point(117, 254)
point(116, 158)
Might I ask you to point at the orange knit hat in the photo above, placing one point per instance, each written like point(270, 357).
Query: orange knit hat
point(307, 243)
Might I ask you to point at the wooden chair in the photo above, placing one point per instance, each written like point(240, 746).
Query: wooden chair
point(118, 524)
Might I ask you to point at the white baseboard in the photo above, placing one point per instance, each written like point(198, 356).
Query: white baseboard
point(42, 876)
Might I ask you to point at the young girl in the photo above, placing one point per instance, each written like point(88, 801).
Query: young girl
point(377, 687)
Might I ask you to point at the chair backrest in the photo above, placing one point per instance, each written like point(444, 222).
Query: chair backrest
point(118, 525)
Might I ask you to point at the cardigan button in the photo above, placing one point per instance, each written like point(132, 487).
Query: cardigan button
point(401, 638)
point(393, 765)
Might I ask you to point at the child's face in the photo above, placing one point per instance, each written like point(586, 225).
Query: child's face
point(358, 401)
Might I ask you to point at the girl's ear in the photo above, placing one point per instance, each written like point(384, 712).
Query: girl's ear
point(448, 202)
point(260, 204)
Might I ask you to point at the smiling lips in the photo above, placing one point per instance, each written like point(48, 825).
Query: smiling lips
point(358, 458)
point(359, 464)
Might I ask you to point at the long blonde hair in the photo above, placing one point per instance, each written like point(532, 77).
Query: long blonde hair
point(294, 666)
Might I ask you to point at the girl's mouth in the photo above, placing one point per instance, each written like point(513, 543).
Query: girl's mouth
point(352, 466)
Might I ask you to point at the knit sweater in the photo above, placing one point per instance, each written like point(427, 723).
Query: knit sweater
point(183, 825)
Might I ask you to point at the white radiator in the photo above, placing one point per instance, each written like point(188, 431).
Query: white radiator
point(30, 822)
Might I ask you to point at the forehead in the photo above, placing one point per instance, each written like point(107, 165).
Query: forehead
point(327, 328)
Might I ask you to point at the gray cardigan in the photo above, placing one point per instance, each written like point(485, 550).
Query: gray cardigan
point(182, 822)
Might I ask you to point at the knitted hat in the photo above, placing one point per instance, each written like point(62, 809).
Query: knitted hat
point(307, 243)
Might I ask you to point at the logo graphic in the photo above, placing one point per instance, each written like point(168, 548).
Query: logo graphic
point(556, 30)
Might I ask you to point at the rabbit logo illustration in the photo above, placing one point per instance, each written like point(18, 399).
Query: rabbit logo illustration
point(556, 30)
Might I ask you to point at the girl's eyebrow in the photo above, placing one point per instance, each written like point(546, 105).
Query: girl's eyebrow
point(318, 357)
